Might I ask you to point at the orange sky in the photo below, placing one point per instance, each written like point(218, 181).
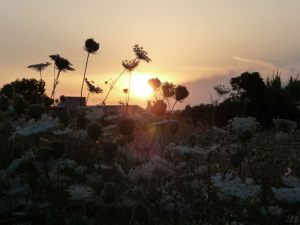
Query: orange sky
point(194, 42)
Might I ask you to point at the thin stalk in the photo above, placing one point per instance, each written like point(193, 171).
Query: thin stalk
point(174, 105)
point(112, 85)
point(55, 84)
point(128, 93)
point(41, 75)
point(87, 98)
point(86, 63)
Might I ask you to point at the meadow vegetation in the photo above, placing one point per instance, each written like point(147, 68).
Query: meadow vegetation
point(234, 161)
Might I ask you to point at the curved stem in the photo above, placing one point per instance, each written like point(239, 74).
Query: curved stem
point(112, 86)
point(86, 63)
point(173, 106)
point(87, 98)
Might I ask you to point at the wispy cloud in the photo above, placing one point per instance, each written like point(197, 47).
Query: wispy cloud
point(265, 64)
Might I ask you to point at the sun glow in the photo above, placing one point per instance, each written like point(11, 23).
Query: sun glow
point(139, 85)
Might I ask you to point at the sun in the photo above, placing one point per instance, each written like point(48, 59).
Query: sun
point(139, 85)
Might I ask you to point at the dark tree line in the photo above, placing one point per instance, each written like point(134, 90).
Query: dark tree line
point(250, 95)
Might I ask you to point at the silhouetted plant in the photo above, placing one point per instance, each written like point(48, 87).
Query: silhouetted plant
point(129, 65)
point(159, 108)
point(91, 47)
point(39, 67)
point(61, 64)
point(94, 130)
point(181, 93)
point(155, 84)
point(92, 88)
point(168, 91)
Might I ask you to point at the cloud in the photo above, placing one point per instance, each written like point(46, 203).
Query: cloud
point(263, 63)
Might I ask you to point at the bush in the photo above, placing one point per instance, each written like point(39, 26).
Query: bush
point(4, 102)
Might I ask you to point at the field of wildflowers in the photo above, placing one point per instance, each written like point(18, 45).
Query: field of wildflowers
point(93, 167)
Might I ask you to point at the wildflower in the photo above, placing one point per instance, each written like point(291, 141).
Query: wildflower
point(141, 54)
point(233, 187)
point(92, 88)
point(80, 192)
point(168, 89)
point(154, 83)
point(61, 64)
point(181, 93)
point(130, 65)
point(39, 67)
point(284, 125)
point(243, 127)
point(94, 115)
point(32, 127)
point(125, 90)
point(91, 46)
point(94, 130)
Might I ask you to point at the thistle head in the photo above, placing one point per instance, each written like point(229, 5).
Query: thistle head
point(91, 46)
point(141, 54)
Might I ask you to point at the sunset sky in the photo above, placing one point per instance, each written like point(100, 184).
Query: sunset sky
point(196, 43)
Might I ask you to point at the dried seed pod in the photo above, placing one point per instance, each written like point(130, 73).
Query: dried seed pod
point(94, 130)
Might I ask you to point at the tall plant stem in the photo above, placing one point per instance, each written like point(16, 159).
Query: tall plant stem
point(87, 98)
point(129, 83)
point(86, 63)
point(41, 75)
point(174, 105)
point(55, 84)
point(112, 86)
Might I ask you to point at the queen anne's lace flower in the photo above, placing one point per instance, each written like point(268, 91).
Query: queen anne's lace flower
point(33, 128)
point(80, 192)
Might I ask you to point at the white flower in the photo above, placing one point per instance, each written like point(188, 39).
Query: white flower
point(80, 135)
point(285, 125)
point(241, 125)
point(32, 127)
point(94, 115)
point(232, 187)
point(186, 150)
point(15, 164)
point(143, 172)
point(65, 131)
point(291, 193)
point(80, 192)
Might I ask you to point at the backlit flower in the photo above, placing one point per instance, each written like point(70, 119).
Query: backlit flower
point(91, 46)
point(130, 65)
point(181, 93)
point(154, 83)
point(141, 54)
